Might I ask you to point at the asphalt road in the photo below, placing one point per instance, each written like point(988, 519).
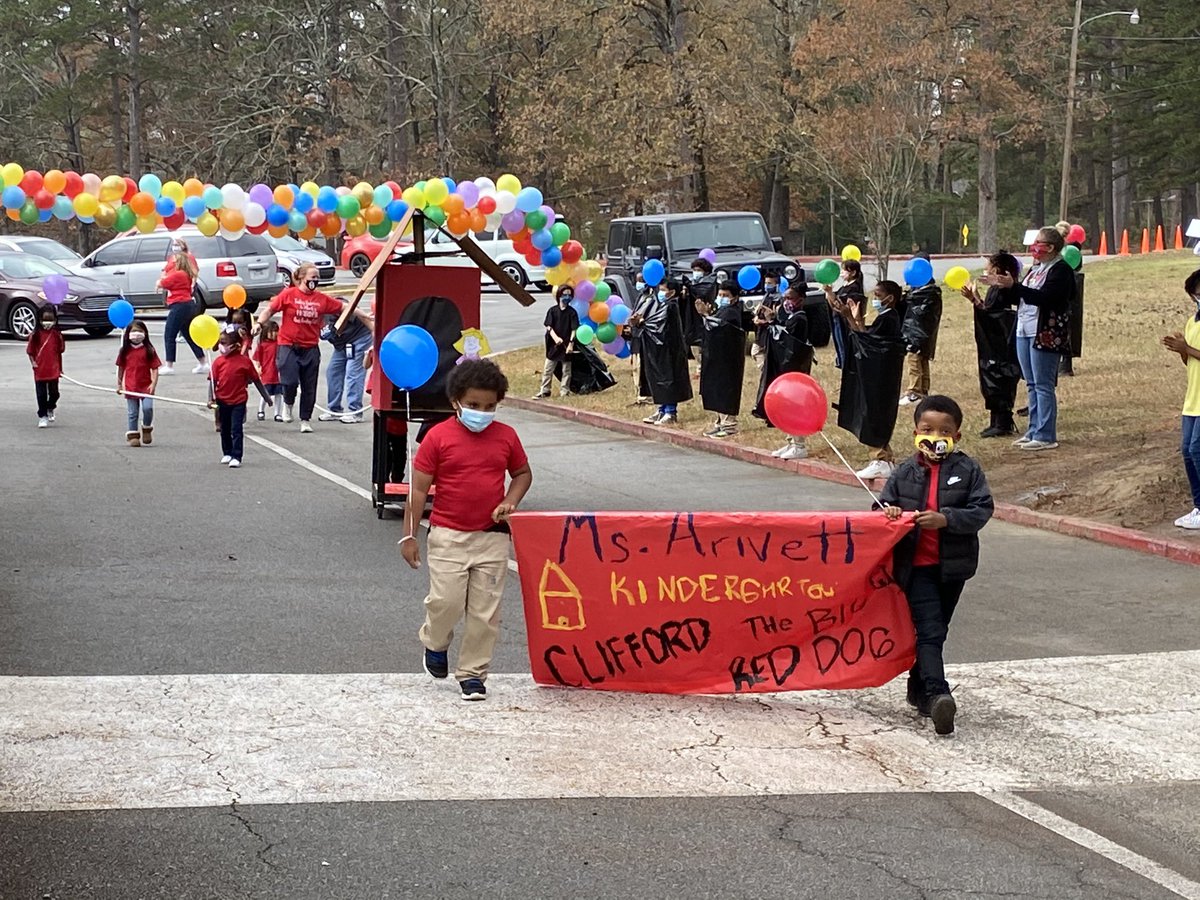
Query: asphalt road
point(210, 688)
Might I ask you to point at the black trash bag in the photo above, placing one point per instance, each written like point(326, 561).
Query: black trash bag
point(923, 319)
point(999, 370)
point(871, 374)
point(787, 350)
point(663, 353)
point(589, 374)
point(820, 320)
point(724, 366)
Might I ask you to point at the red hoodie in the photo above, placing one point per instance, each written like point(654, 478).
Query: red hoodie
point(303, 315)
point(178, 285)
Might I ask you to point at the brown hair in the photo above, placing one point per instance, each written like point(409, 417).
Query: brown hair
point(1052, 236)
point(297, 276)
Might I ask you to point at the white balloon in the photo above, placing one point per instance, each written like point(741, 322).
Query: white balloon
point(233, 197)
point(342, 190)
point(91, 184)
point(485, 185)
point(230, 235)
point(493, 221)
point(254, 214)
point(505, 202)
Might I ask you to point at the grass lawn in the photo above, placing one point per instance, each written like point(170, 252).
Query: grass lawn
point(1118, 417)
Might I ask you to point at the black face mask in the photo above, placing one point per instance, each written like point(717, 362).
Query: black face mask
point(311, 284)
point(565, 299)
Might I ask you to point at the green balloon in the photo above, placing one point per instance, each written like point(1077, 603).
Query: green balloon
point(536, 220)
point(584, 334)
point(348, 206)
point(560, 232)
point(382, 230)
point(603, 291)
point(436, 215)
point(29, 212)
point(606, 333)
point(827, 271)
point(125, 219)
point(1071, 255)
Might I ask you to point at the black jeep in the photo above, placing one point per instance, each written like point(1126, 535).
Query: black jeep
point(737, 238)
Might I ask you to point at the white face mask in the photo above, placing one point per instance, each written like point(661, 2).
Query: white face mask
point(136, 337)
point(696, 276)
point(223, 349)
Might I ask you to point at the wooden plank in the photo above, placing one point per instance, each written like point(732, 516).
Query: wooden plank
point(384, 257)
point(492, 268)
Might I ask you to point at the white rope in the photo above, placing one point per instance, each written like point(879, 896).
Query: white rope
point(852, 469)
point(106, 390)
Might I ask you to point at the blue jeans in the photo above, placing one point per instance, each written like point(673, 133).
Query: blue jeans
point(231, 416)
point(179, 317)
point(669, 409)
point(932, 603)
point(346, 372)
point(1040, 370)
point(134, 405)
point(1191, 455)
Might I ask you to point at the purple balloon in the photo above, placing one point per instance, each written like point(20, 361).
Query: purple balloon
point(585, 291)
point(514, 221)
point(615, 346)
point(469, 193)
point(261, 194)
point(548, 212)
point(55, 288)
point(709, 255)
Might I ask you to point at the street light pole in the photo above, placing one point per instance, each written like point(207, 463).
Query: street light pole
point(1065, 187)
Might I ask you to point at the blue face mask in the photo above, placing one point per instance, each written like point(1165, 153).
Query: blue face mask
point(722, 302)
point(876, 304)
point(640, 286)
point(476, 420)
point(662, 295)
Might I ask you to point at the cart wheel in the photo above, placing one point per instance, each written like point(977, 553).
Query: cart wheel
point(379, 511)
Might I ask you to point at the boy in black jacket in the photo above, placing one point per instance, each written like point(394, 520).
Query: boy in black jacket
point(950, 496)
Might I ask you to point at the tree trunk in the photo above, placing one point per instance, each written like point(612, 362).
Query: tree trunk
point(1091, 209)
point(118, 128)
point(989, 229)
point(1160, 218)
point(133, 18)
point(397, 87)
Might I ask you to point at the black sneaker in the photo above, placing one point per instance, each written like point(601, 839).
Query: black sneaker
point(473, 689)
point(942, 711)
point(914, 695)
point(437, 664)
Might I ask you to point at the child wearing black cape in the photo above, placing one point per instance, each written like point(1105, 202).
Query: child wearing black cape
point(786, 348)
point(724, 362)
point(658, 328)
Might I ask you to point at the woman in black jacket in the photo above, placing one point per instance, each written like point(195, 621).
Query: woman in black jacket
point(995, 327)
point(1043, 333)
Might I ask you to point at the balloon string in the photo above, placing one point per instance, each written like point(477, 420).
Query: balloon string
point(107, 390)
point(853, 472)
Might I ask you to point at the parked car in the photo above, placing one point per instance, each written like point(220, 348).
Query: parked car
point(358, 253)
point(495, 244)
point(39, 246)
point(134, 263)
point(291, 252)
point(737, 238)
point(22, 300)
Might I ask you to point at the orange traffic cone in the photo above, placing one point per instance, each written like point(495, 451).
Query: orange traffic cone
point(1159, 246)
point(1103, 251)
point(1145, 240)
point(1125, 242)
point(1178, 237)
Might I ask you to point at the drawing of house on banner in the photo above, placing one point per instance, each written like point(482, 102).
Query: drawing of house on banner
point(561, 602)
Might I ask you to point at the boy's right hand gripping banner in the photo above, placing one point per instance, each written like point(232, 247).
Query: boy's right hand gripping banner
point(709, 603)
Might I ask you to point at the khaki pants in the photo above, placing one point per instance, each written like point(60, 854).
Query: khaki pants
point(884, 453)
point(548, 377)
point(466, 577)
point(918, 375)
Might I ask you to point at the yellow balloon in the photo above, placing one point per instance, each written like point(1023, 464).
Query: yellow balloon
point(578, 273)
point(86, 205)
point(957, 278)
point(851, 252)
point(112, 188)
point(595, 271)
point(364, 193)
point(205, 331)
point(106, 216)
point(557, 275)
point(174, 190)
point(146, 224)
point(510, 183)
point(310, 188)
point(207, 225)
point(356, 226)
point(414, 197)
point(12, 174)
point(436, 192)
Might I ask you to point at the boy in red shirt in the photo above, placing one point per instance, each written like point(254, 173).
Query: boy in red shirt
point(45, 349)
point(467, 458)
point(137, 373)
point(231, 371)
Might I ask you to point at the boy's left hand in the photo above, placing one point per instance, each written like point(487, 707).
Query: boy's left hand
point(928, 518)
point(503, 511)
point(1175, 343)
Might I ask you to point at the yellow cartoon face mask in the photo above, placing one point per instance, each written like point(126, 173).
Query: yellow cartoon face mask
point(932, 447)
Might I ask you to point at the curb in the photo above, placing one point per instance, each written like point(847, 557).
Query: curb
point(1070, 526)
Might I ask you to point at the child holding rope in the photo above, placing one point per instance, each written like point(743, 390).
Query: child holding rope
point(137, 375)
point(231, 372)
point(45, 349)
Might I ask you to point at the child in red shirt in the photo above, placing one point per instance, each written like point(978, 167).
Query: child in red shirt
point(231, 371)
point(137, 375)
point(45, 349)
point(467, 457)
point(264, 360)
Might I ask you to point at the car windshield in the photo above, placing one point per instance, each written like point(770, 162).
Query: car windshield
point(287, 243)
point(732, 233)
point(26, 265)
point(48, 249)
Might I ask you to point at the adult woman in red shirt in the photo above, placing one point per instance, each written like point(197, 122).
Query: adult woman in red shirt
point(178, 280)
point(302, 309)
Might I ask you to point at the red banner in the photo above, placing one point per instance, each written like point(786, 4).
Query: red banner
point(710, 603)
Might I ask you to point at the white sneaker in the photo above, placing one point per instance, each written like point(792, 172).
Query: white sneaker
point(166, 369)
point(225, 460)
point(235, 464)
point(329, 417)
point(1022, 440)
point(305, 428)
point(43, 422)
point(778, 454)
point(876, 468)
point(352, 418)
point(201, 369)
point(51, 417)
point(794, 451)
point(1191, 521)
point(909, 399)
point(287, 412)
point(1040, 445)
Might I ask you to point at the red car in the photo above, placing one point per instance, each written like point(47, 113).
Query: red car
point(358, 253)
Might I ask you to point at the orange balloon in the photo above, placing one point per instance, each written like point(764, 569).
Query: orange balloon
point(284, 196)
point(233, 220)
point(599, 312)
point(234, 296)
point(459, 223)
point(331, 227)
point(54, 181)
point(14, 214)
point(193, 187)
point(280, 231)
point(308, 233)
point(478, 220)
point(141, 203)
point(374, 214)
point(453, 205)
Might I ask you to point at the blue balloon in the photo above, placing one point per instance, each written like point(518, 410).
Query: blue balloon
point(619, 314)
point(784, 284)
point(44, 215)
point(277, 215)
point(296, 221)
point(450, 185)
point(120, 313)
point(625, 353)
point(303, 202)
point(653, 272)
point(748, 278)
point(327, 199)
point(150, 184)
point(918, 272)
point(542, 239)
point(193, 207)
point(396, 210)
point(63, 208)
point(587, 320)
point(581, 309)
point(213, 198)
point(551, 257)
point(13, 197)
point(529, 200)
point(409, 356)
point(164, 206)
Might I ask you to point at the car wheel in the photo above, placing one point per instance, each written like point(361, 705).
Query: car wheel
point(515, 272)
point(359, 263)
point(99, 330)
point(23, 319)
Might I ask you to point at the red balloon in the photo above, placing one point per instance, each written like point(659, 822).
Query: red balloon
point(572, 252)
point(796, 404)
point(175, 220)
point(486, 205)
point(74, 185)
point(43, 199)
point(131, 188)
point(534, 256)
point(1076, 235)
point(31, 183)
point(315, 218)
point(257, 229)
point(397, 191)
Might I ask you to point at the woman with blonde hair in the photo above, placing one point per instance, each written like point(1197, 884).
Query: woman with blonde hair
point(179, 281)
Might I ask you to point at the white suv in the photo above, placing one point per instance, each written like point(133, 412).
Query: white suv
point(496, 245)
